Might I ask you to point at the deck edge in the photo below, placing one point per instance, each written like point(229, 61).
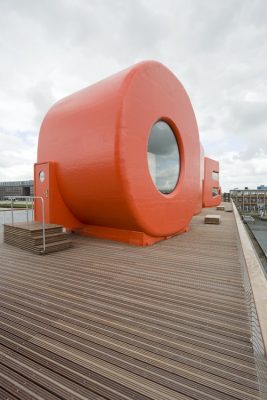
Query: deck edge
point(256, 276)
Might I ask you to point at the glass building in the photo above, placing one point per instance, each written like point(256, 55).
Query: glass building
point(17, 188)
point(250, 200)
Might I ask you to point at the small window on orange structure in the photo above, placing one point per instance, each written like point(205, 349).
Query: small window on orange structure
point(215, 192)
point(215, 175)
point(42, 176)
point(163, 157)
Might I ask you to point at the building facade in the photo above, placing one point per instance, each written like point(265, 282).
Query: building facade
point(226, 197)
point(250, 200)
point(17, 188)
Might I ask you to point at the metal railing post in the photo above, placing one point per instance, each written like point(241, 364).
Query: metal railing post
point(43, 223)
point(27, 211)
point(12, 217)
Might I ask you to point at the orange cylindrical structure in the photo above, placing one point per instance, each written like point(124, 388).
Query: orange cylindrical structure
point(211, 192)
point(98, 139)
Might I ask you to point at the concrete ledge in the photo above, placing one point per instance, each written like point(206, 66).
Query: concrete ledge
point(256, 275)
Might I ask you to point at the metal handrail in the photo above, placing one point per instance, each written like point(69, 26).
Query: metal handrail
point(32, 198)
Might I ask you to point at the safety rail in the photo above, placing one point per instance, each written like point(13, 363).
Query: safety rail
point(255, 286)
point(28, 199)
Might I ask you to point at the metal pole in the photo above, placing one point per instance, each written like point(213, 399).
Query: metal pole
point(43, 223)
point(27, 211)
point(12, 217)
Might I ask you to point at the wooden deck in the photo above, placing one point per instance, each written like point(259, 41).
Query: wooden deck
point(104, 320)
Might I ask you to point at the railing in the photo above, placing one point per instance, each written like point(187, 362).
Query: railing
point(29, 199)
point(255, 286)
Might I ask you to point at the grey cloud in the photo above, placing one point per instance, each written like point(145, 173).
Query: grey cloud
point(42, 97)
point(250, 114)
point(216, 48)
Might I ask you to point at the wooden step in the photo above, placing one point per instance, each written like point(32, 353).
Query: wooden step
point(36, 241)
point(29, 236)
point(50, 238)
point(27, 229)
point(52, 247)
point(49, 248)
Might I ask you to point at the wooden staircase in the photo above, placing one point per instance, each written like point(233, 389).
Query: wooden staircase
point(29, 236)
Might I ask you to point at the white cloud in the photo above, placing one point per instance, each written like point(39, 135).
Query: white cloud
point(17, 155)
point(217, 49)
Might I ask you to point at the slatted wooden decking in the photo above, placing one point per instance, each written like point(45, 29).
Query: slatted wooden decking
point(104, 320)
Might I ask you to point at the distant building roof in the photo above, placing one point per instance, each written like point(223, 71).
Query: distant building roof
point(17, 183)
point(258, 190)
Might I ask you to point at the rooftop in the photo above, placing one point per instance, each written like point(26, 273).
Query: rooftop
point(104, 320)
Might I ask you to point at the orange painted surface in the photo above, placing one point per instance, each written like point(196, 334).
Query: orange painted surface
point(120, 235)
point(200, 195)
point(42, 189)
point(209, 183)
point(97, 141)
point(55, 210)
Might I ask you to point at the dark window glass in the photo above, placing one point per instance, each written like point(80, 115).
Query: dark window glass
point(215, 192)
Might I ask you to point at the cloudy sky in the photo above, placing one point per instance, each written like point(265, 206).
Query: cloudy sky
point(218, 50)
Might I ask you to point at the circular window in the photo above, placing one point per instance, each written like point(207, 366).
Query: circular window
point(163, 157)
point(42, 176)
